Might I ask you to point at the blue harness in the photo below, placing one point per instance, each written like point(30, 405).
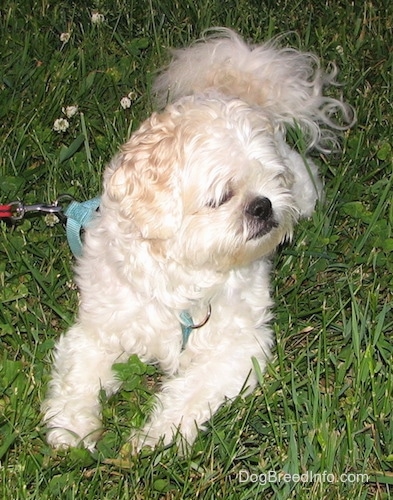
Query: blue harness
point(79, 216)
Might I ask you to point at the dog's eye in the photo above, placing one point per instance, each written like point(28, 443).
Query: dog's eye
point(226, 196)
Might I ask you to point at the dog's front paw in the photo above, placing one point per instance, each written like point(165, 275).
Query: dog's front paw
point(71, 426)
point(62, 439)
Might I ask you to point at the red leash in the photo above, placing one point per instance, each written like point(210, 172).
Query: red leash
point(6, 211)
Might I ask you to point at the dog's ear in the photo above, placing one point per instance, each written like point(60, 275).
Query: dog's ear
point(144, 179)
point(307, 187)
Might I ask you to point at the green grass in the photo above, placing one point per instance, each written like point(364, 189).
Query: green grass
point(325, 403)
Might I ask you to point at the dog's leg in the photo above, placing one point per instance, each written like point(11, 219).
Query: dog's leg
point(187, 401)
point(72, 408)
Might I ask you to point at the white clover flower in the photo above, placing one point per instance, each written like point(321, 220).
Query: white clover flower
point(97, 18)
point(125, 102)
point(70, 111)
point(340, 50)
point(51, 220)
point(61, 125)
point(64, 37)
point(71, 285)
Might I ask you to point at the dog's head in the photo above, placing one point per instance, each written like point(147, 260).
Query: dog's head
point(206, 182)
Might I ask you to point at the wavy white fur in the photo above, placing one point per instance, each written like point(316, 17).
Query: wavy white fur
point(286, 83)
point(193, 207)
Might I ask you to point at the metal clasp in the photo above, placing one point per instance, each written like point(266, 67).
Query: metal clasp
point(19, 210)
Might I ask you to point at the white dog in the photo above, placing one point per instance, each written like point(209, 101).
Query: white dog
point(192, 209)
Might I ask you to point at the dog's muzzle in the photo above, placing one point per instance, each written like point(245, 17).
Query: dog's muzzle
point(260, 217)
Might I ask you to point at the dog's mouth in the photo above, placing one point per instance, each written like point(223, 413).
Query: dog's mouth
point(257, 229)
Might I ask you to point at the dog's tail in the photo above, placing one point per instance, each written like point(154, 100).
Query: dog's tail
point(286, 83)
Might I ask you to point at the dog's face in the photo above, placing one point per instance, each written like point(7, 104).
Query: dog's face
point(203, 182)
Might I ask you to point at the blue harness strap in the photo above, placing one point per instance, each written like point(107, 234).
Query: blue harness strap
point(79, 215)
point(187, 326)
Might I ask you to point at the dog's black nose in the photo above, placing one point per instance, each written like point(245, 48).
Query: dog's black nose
point(260, 208)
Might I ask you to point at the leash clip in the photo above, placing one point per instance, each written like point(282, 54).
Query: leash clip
point(76, 216)
point(17, 209)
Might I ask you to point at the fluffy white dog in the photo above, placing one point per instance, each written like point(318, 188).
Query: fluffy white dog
point(192, 209)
